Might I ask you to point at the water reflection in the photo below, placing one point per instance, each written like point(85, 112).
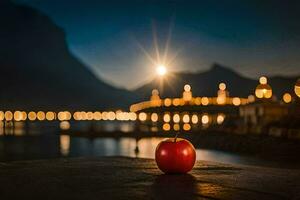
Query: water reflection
point(141, 148)
point(64, 144)
point(51, 145)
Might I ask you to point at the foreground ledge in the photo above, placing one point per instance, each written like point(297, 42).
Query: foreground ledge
point(130, 178)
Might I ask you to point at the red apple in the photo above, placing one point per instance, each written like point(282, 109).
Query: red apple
point(175, 155)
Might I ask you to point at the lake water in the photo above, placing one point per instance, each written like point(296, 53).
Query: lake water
point(53, 146)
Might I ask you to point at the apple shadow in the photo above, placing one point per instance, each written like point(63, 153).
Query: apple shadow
point(174, 186)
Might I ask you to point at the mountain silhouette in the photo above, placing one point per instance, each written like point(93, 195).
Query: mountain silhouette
point(39, 72)
point(206, 83)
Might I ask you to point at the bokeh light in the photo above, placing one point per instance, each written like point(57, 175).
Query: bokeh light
point(205, 119)
point(176, 118)
point(166, 127)
point(222, 86)
point(186, 127)
point(297, 88)
point(220, 118)
point(154, 117)
point(167, 117)
point(287, 98)
point(142, 116)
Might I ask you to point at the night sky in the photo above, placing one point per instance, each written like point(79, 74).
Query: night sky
point(254, 37)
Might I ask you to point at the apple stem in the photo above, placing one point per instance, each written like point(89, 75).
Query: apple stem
point(176, 137)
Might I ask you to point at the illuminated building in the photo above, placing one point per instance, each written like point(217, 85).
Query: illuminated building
point(263, 90)
point(222, 94)
point(155, 99)
point(187, 93)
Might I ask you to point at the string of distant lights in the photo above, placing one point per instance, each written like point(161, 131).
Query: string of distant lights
point(66, 116)
point(263, 90)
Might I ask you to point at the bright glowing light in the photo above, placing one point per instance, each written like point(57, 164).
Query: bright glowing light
point(263, 91)
point(90, 115)
point(186, 127)
point(1, 115)
point(161, 70)
point(198, 101)
point(64, 144)
point(287, 98)
point(154, 117)
point(205, 101)
point(220, 118)
point(187, 88)
point(41, 115)
point(186, 118)
point(194, 119)
point(166, 117)
point(176, 118)
point(24, 115)
point(142, 116)
point(8, 115)
point(222, 86)
point(187, 94)
point(97, 115)
point(297, 88)
point(64, 125)
point(166, 127)
point(50, 116)
point(205, 119)
point(105, 115)
point(84, 115)
point(32, 116)
point(17, 115)
point(176, 127)
point(64, 115)
point(111, 115)
point(236, 101)
point(263, 80)
point(176, 102)
point(132, 116)
point(167, 102)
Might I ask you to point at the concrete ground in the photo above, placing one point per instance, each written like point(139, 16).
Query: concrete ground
point(130, 178)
